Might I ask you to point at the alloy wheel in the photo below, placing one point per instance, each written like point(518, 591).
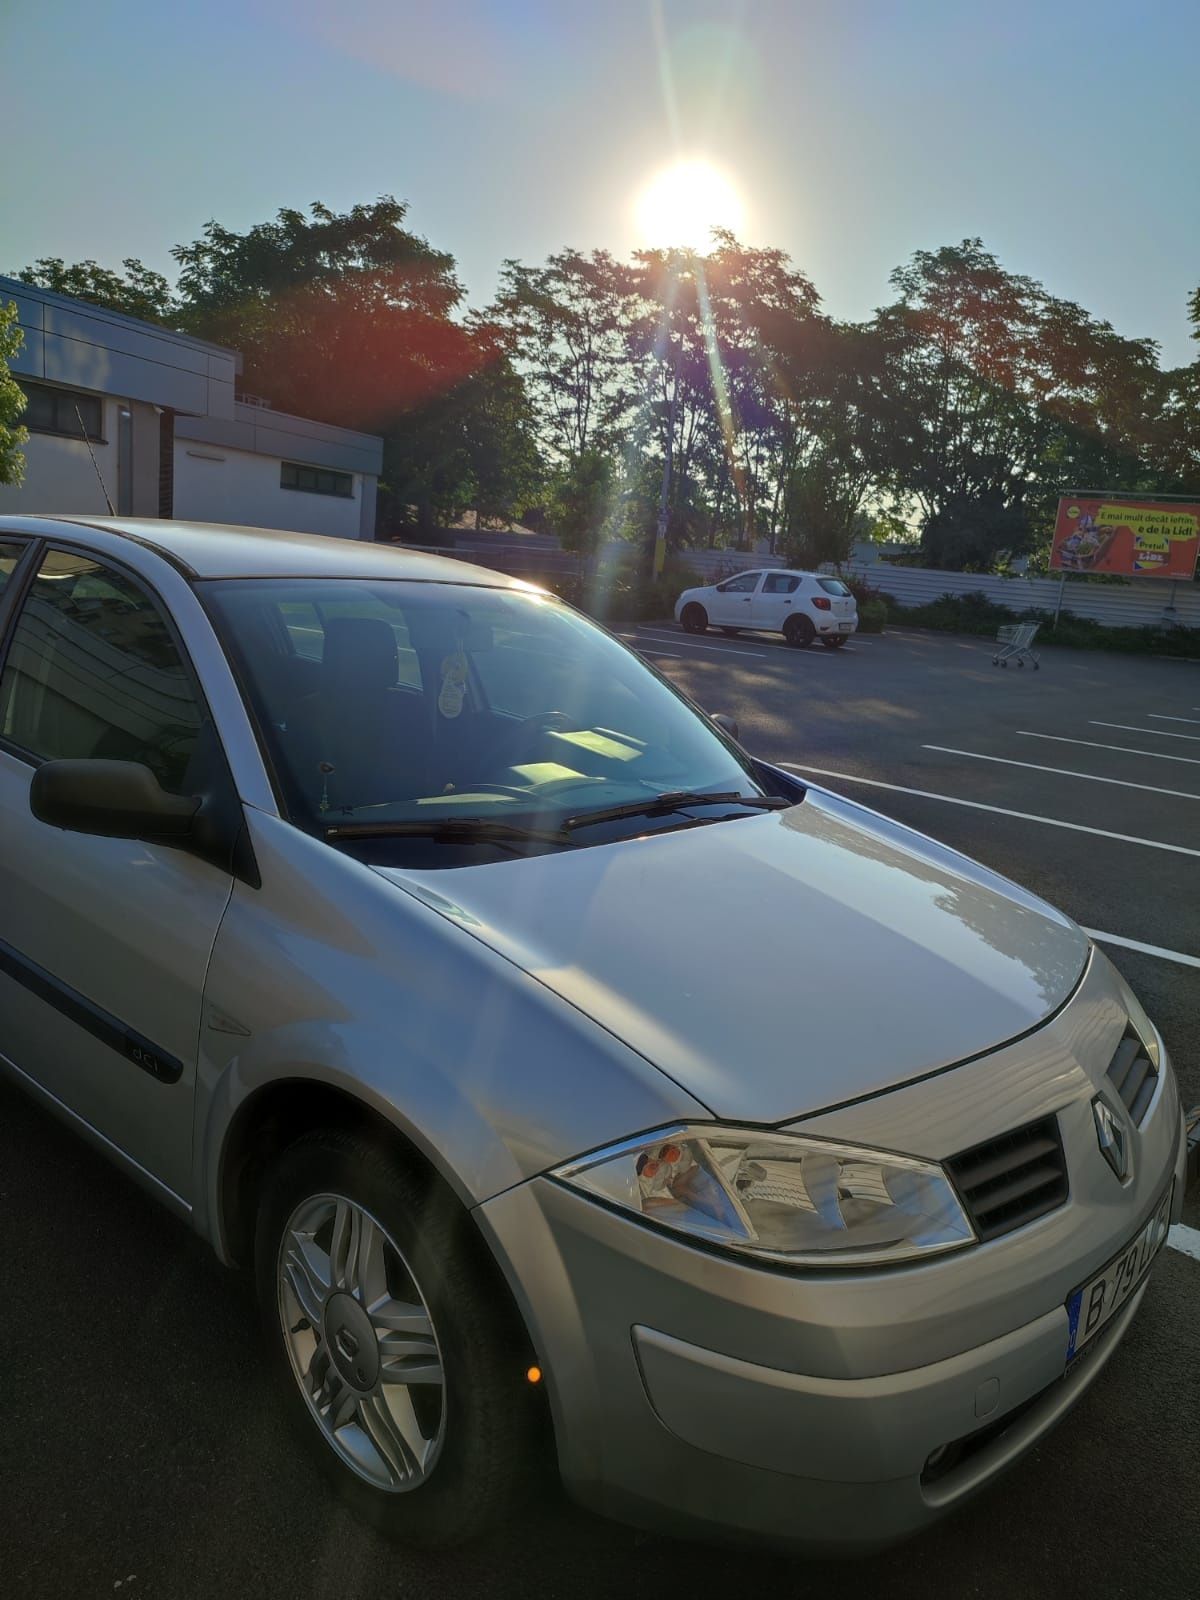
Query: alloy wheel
point(361, 1341)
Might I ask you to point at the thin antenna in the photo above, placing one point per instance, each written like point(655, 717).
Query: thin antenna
point(95, 463)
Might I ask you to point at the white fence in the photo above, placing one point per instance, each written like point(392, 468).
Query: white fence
point(1152, 602)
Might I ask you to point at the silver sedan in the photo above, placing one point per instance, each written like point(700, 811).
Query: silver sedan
point(568, 1079)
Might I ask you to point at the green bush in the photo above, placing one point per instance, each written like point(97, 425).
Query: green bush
point(618, 595)
point(872, 615)
point(976, 613)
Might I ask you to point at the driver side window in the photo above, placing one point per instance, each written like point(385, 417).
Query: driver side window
point(93, 672)
point(743, 584)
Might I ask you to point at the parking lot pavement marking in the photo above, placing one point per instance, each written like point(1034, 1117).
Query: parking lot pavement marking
point(1000, 811)
point(1185, 1239)
point(1094, 744)
point(717, 649)
point(1062, 772)
point(1161, 716)
point(1159, 733)
point(1144, 949)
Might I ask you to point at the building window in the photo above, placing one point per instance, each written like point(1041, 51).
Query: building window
point(53, 411)
point(316, 480)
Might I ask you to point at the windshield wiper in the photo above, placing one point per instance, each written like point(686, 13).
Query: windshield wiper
point(677, 800)
point(448, 830)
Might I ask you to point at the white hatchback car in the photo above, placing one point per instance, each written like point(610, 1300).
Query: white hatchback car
point(803, 606)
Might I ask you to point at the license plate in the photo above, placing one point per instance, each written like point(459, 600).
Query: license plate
point(846, 627)
point(1090, 1308)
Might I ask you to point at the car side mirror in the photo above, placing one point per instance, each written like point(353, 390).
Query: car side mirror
point(726, 724)
point(116, 799)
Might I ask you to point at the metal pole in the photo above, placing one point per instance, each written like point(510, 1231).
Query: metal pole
point(664, 501)
point(1062, 584)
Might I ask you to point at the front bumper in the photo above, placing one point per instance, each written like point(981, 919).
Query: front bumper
point(697, 1393)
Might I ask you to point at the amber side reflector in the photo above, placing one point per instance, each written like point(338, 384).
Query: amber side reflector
point(534, 1374)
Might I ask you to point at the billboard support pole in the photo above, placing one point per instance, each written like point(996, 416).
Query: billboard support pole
point(1062, 584)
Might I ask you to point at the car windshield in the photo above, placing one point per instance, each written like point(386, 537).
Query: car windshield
point(389, 702)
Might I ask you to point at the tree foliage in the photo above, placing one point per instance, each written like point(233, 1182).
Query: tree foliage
point(138, 292)
point(591, 386)
point(349, 317)
point(12, 400)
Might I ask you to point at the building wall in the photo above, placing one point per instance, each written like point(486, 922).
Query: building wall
point(215, 483)
point(59, 476)
point(87, 347)
point(61, 481)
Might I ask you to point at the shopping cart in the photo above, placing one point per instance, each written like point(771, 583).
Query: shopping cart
point(1013, 644)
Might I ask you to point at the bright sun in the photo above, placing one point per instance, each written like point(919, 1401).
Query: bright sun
point(681, 205)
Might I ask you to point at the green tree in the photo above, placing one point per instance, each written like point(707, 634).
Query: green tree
point(350, 317)
point(12, 400)
point(565, 326)
point(341, 316)
point(579, 501)
point(998, 396)
point(138, 292)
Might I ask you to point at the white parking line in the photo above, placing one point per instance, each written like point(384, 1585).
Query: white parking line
point(689, 644)
point(1000, 811)
point(1144, 949)
point(1159, 733)
point(1161, 716)
point(1185, 1239)
point(1094, 744)
point(1062, 772)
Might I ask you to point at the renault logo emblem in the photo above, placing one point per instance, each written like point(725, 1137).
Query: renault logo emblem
point(1112, 1136)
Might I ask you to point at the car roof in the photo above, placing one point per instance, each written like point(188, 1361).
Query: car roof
point(221, 550)
point(780, 572)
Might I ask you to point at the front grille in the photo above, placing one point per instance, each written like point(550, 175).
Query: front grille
point(1134, 1076)
point(1009, 1181)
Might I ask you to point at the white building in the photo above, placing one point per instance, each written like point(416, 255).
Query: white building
point(170, 438)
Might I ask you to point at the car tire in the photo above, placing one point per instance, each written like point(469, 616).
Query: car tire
point(799, 632)
point(694, 618)
point(468, 1443)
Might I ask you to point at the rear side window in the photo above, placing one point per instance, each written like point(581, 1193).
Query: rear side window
point(833, 586)
point(10, 554)
point(93, 671)
point(780, 583)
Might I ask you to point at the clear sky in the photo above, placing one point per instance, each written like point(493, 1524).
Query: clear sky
point(1064, 132)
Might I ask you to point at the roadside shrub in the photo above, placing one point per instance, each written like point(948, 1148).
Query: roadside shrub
point(862, 591)
point(872, 615)
point(977, 614)
point(617, 595)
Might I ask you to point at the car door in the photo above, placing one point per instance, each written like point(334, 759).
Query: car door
point(104, 943)
point(772, 604)
point(733, 600)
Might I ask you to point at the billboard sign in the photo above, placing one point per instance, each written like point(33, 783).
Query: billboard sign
point(1135, 538)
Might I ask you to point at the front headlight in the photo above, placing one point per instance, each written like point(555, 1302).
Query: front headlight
point(801, 1201)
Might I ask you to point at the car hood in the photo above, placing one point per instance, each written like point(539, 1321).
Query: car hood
point(777, 964)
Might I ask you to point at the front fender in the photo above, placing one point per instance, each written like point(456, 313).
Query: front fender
point(331, 975)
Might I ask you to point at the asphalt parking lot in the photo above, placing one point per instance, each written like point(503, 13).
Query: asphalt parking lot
point(139, 1451)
